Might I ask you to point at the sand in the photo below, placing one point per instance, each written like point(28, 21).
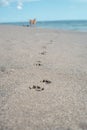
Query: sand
point(43, 79)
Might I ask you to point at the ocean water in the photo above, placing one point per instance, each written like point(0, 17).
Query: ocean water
point(79, 25)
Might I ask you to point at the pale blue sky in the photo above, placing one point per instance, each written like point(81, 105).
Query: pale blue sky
point(23, 10)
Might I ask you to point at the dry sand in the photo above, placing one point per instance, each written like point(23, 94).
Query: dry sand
point(43, 79)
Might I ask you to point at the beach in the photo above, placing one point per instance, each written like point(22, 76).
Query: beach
point(43, 79)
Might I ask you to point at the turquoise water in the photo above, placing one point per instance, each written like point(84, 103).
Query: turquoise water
point(80, 25)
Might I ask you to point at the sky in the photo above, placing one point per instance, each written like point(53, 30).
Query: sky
point(42, 10)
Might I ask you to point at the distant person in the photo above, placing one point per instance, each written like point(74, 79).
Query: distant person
point(32, 21)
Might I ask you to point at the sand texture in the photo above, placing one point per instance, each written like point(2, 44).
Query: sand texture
point(43, 79)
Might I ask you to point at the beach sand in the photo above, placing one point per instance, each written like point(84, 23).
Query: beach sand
point(43, 79)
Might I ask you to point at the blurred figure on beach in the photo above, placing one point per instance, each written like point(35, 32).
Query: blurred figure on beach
point(32, 22)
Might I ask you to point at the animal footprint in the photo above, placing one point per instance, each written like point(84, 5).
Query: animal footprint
point(37, 88)
point(2, 69)
point(51, 42)
point(46, 81)
point(38, 63)
point(43, 53)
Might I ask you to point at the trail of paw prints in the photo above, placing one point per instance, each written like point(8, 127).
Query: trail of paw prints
point(44, 52)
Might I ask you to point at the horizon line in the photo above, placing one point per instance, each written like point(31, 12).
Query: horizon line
point(45, 20)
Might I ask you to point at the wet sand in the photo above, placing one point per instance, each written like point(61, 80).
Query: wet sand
point(43, 79)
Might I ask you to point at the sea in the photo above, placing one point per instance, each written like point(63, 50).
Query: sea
point(78, 25)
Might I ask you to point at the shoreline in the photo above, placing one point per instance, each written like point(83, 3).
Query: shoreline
point(45, 29)
point(25, 24)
